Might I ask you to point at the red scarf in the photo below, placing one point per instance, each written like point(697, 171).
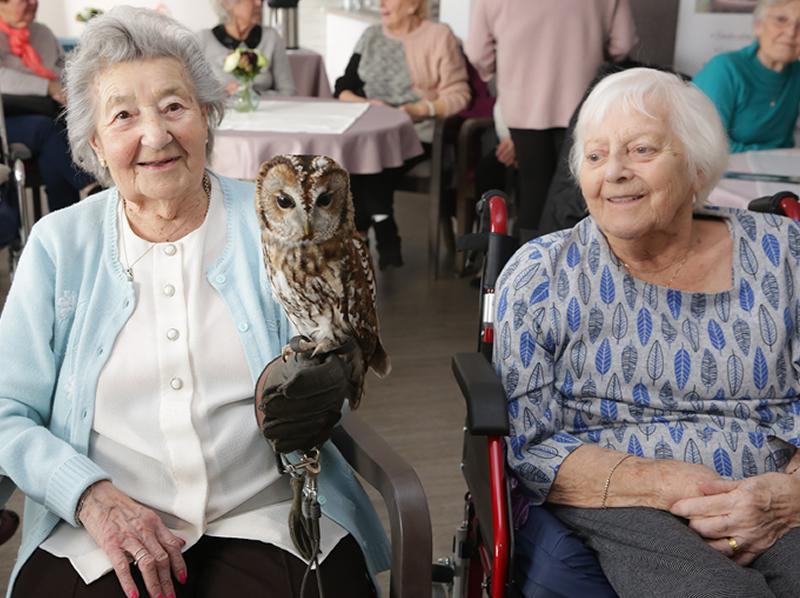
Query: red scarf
point(19, 42)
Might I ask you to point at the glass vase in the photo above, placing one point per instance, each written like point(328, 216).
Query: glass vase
point(246, 98)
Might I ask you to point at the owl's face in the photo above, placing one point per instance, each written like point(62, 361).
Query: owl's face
point(304, 199)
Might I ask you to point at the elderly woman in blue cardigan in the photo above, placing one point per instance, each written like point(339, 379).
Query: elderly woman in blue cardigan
point(757, 89)
point(650, 359)
point(136, 326)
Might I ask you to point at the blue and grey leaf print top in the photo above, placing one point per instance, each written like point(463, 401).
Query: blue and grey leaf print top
point(589, 354)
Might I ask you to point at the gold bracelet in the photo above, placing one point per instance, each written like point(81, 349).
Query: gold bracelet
point(81, 502)
point(608, 480)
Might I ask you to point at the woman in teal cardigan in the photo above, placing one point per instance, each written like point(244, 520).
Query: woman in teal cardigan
point(137, 324)
point(757, 89)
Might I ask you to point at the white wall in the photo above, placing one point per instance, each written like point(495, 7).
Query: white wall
point(456, 14)
point(195, 14)
point(60, 16)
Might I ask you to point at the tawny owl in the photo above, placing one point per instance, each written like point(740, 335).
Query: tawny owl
point(318, 265)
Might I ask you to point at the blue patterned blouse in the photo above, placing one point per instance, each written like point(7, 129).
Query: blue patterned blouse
point(589, 354)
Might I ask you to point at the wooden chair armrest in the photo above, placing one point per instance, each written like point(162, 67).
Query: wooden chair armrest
point(409, 518)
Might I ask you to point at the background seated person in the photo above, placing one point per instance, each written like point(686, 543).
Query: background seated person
point(131, 339)
point(31, 63)
point(241, 28)
point(757, 89)
point(649, 356)
point(414, 64)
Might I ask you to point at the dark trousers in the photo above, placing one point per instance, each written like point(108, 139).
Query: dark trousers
point(647, 552)
point(47, 140)
point(373, 194)
point(537, 155)
point(552, 561)
point(217, 567)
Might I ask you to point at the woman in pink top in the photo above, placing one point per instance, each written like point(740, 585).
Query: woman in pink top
point(544, 54)
point(415, 65)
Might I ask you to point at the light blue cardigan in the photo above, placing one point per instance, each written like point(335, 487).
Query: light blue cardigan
point(68, 303)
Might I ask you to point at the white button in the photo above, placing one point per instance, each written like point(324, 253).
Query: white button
point(221, 279)
point(170, 249)
point(244, 326)
point(176, 383)
point(173, 334)
point(168, 290)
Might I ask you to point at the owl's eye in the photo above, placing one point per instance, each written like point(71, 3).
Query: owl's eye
point(284, 201)
point(324, 199)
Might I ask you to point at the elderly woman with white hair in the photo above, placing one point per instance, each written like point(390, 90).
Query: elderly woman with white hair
point(757, 89)
point(240, 27)
point(650, 360)
point(131, 339)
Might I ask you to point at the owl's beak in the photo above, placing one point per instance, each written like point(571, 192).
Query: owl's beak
point(307, 229)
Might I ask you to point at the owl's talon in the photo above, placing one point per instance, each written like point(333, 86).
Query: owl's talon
point(302, 344)
point(323, 348)
point(286, 353)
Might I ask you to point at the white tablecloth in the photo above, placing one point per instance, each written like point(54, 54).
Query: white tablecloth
point(738, 193)
point(380, 138)
point(278, 116)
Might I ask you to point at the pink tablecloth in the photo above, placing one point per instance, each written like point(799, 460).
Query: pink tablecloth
point(380, 138)
point(308, 70)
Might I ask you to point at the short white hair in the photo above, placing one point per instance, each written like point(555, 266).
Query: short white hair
point(764, 5)
point(692, 117)
point(127, 34)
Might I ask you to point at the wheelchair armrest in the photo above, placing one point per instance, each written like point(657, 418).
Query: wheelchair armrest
point(406, 503)
point(487, 411)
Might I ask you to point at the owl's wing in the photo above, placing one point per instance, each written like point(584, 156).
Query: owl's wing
point(361, 306)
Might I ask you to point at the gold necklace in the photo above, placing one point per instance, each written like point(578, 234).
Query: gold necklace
point(129, 268)
point(674, 273)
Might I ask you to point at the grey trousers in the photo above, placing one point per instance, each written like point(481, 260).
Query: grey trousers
point(651, 553)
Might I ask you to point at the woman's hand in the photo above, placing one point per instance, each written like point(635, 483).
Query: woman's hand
point(416, 110)
point(755, 512)
point(126, 530)
point(678, 480)
point(55, 91)
point(232, 87)
point(505, 152)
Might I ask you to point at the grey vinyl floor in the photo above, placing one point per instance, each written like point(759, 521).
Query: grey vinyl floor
point(418, 408)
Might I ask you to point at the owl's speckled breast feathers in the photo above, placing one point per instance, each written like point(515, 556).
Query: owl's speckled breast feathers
point(319, 267)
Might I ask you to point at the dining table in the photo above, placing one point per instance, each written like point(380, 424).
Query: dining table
point(363, 138)
point(757, 174)
point(309, 74)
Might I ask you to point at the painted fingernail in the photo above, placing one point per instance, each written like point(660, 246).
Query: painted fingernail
point(134, 594)
point(182, 577)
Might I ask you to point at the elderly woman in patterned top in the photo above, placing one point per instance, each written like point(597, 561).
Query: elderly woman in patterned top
point(650, 357)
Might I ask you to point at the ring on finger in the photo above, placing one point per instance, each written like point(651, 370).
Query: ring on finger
point(734, 545)
point(140, 554)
